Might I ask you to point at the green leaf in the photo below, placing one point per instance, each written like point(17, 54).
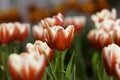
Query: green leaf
point(95, 61)
point(69, 68)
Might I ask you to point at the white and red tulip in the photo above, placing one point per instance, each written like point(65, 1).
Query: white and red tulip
point(59, 38)
point(26, 66)
point(41, 48)
point(111, 59)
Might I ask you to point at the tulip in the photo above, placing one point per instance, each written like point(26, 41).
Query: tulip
point(6, 32)
point(104, 15)
point(10, 32)
point(116, 33)
point(111, 59)
point(116, 36)
point(41, 48)
point(57, 20)
point(77, 21)
point(99, 38)
point(39, 32)
point(26, 66)
point(59, 38)
point(21, 31)
point(106, 25)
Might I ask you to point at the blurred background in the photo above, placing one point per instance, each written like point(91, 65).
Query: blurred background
point(35, 10)
point(32, 11)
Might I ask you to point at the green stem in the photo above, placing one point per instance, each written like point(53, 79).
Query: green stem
point(54, 77)
point(78, 58)
point(74, 72)
point(52, 71)
point(62, 57)
point(3, 65)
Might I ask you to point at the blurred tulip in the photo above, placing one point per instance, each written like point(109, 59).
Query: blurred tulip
point(105, 14)
point(106, 25)
point(111, 59)
point(99, 38)
point(6, 32)
point(59, 38)
point(10, 32)
point(116, 33)
point(26, 66)
point(39, 32)
point(21, 31)
point(56, 20)
point(41, 48)
point(77, 21)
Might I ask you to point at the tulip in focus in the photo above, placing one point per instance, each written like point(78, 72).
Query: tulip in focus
point(59, 38)
point(111, 59)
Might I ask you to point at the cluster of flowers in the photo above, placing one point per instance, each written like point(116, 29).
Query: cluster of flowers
point(50, 35)
point(52, 30)
point(106, 36)
point(107, 28)
point(10, 32)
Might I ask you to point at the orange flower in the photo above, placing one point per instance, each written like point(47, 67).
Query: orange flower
point(77, 21)
point(41, 48)
point(59, 38)
point(26, 66)
point(111, 59)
